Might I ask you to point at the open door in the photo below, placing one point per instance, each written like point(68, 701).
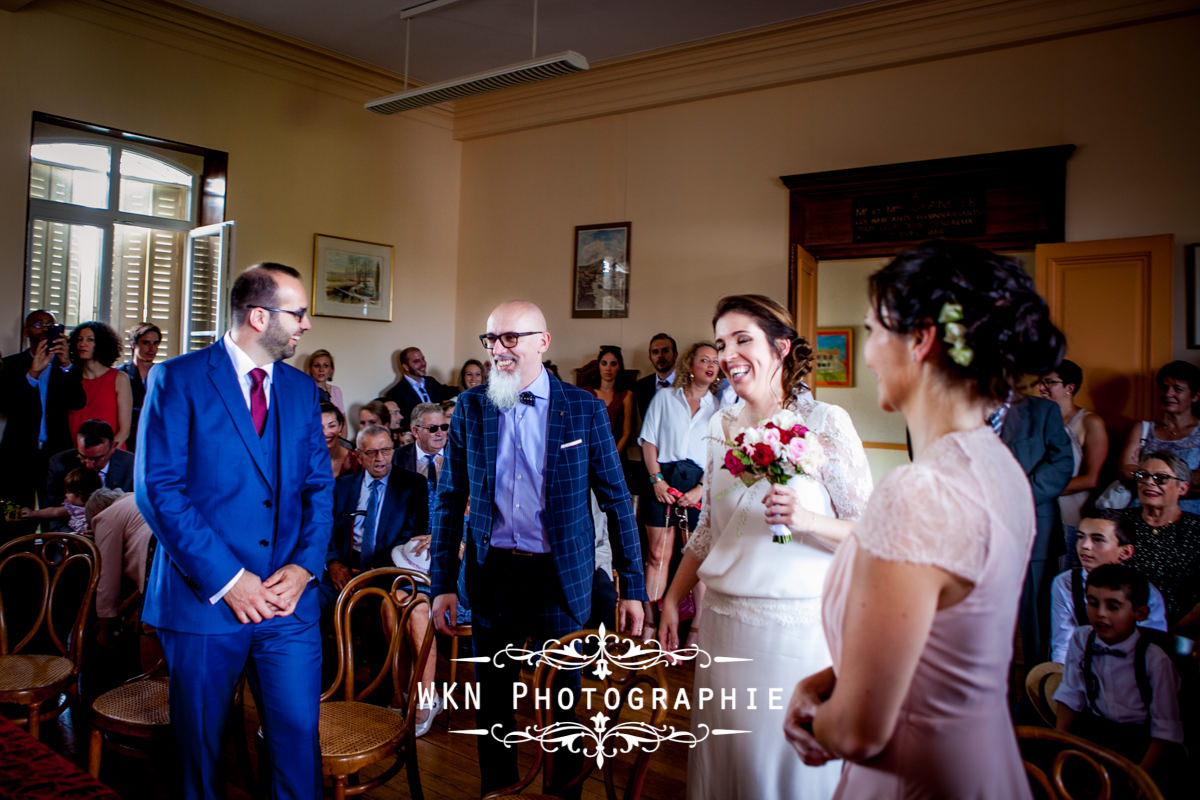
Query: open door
point(1112, 298)
point(805, 301)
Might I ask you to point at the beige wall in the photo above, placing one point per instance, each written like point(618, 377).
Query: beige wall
point(304, 158)
point(699, 180)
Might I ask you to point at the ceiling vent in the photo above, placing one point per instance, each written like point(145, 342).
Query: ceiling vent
point(535, 69)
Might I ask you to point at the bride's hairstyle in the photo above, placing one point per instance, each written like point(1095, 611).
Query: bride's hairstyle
point(993, 325)
point(776, 323)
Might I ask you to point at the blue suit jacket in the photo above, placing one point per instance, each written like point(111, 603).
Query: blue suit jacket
point(204, 488)
point(1034, 432)
point(469, 470)
point(403, 514)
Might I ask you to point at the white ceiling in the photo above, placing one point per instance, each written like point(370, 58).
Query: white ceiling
point(473, 35)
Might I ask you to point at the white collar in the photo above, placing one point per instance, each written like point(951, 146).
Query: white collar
point(242, 363)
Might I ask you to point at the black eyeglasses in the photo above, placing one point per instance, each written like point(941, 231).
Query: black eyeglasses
point(508, 338)
point(445, 426)
point(383, 451)
point(299, 315)
point(1159, 478)
point(1050, 382)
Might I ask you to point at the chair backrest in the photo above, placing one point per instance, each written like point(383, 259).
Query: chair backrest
point(1040, 684)
point(47, 584)
point(374, 591)
point(636, 674)
point(1062, 766)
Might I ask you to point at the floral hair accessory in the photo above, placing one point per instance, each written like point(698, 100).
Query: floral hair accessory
point(956, 334)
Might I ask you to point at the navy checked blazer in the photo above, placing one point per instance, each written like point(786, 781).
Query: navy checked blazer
point(469, 470)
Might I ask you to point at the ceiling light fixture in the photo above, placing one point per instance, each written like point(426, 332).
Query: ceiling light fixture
point(535, 69)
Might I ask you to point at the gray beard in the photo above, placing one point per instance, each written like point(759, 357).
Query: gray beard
point(504, 389)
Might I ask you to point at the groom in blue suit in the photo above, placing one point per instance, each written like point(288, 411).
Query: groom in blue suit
point(235, 481)
point(526, 449)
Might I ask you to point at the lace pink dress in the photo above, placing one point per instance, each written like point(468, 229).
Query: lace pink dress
point(965, 507)
point(763, 604)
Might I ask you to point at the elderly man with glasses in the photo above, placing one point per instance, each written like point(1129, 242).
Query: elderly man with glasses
point(1166, 539)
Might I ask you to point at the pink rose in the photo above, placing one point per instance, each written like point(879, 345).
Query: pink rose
point(734, 464)
point(796, 449)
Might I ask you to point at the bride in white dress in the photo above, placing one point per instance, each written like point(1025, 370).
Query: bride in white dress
point(764, 599)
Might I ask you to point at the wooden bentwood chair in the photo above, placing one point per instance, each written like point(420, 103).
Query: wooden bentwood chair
point(47, 586)
point(647, 677)
point(356, 734)
point(1062, 766)
point(1040, 685)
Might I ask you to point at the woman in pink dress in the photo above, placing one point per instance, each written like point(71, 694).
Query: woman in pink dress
point(921, 600)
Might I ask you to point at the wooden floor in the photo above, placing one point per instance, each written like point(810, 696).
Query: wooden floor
point(448, 762)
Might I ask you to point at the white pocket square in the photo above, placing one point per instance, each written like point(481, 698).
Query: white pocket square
point(575, 443)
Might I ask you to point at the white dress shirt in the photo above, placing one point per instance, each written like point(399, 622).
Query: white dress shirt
point(678, 434)
point(1062, 614)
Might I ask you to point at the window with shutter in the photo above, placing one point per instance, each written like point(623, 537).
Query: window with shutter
point(109, 220)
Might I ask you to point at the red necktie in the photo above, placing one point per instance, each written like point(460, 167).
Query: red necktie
point(258, 399)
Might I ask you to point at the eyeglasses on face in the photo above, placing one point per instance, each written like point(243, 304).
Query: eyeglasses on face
point(508, 338)
point(1159, 478)
point(383, 451)
point(445, 426)
point(1048, 382)
point(299, 315)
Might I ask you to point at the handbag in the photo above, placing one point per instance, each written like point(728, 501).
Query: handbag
point(1115, 495)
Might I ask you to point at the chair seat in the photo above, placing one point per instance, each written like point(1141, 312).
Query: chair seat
point(141, 703)
point(352, 729)
point(23, 673)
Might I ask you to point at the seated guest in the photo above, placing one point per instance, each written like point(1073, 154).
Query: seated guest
point(123, 539)
point(415, 386)
point(144, 339)
point(333, 425)
point(448, 407)
point(95, 449)
point(1089, 445)
point(79, 485)
point(424, 455)
point(471, 374)
point(94, 348)
point(374, 413)
point(1102, 539)
point(1175, 431)
point(374, 511)
point(1166, 539)
point(1119, 689)
point(320, 368)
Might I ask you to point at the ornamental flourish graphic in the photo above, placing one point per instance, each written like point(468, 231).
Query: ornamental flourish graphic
point(601, 651)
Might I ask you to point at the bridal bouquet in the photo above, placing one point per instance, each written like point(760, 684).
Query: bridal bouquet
point(776, 451)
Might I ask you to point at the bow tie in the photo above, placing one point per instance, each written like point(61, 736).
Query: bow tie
point(663, 384)
point(1101, 650)
point(527, 398)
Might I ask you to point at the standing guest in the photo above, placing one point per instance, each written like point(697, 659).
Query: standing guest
point(374, 413)
point(342, 459)
point(1175, 431)
point(525, 450)
point(618, 402)
point(471, 374)
point(921, 596)
point(1089, 446)
point(320, 367)
point(1103, 539)
point(1033, 430)
point(663, 353)
point(674, 442)
point(415, 386)
point(144, 339)
point(242, 517)
point(96, 450)
point(94, 348)
point(763, 599)
point(1166, 539)
point(37, 389)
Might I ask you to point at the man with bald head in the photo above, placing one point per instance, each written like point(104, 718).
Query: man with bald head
point(526, 449)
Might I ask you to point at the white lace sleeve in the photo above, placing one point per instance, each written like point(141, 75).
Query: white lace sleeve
point(846, 474)
point(916, 515)
point(700, 542)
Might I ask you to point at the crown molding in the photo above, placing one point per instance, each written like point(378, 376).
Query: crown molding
point(872, 36)
point(180, 25)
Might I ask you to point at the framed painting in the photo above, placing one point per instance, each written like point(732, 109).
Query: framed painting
point(835, 357)
point(600, 275)
point(1192, 273)
point(351, 279)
